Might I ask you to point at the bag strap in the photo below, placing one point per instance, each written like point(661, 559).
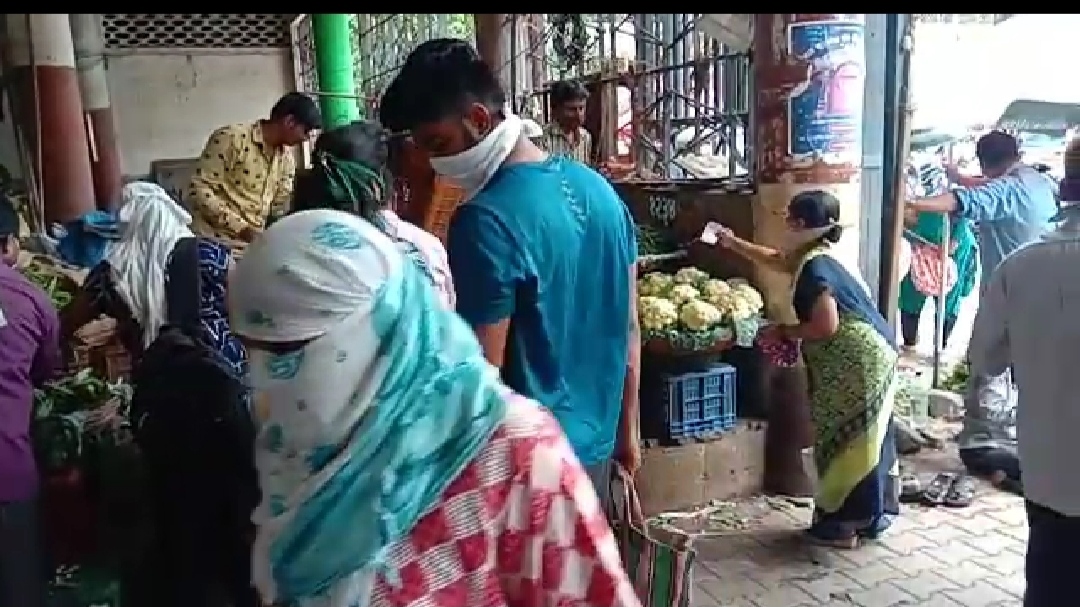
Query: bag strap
point(183, 285)
point(633, 501)
point(624, 493)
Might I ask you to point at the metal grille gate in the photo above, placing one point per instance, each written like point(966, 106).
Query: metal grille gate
point(381, 43)
point(202, 31)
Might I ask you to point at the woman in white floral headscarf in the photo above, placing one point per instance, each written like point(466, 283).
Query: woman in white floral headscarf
point(395, 468)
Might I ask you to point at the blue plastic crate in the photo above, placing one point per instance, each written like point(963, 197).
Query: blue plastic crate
point(700, 403)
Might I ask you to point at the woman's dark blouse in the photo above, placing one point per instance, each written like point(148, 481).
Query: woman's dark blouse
point(823, 273)
point(216, 335)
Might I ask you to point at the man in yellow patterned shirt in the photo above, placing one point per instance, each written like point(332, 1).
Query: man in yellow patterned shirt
point(565, 135)
point(245, 173)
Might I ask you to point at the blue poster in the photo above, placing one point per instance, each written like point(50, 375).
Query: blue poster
point(825, 111)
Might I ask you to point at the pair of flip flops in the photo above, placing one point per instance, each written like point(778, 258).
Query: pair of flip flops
point(946, 489)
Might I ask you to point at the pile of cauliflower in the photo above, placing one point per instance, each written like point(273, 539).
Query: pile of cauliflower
point(690, 300)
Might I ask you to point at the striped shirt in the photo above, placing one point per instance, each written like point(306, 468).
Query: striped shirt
point(1011, 211)
point(556, 141)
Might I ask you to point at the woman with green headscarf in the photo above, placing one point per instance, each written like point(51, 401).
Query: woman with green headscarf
point(351, 174)
point(928, 233)
point(930, 227)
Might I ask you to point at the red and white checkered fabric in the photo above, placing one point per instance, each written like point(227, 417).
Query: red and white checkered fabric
point(520, 527)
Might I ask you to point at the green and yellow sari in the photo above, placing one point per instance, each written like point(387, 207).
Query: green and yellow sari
point(853, 377)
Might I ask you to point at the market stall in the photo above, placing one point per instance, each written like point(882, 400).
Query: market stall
point(82, 440)
point(688, 320)
point(703, 382)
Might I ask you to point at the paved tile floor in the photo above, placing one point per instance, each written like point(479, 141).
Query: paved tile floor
point(931, 557)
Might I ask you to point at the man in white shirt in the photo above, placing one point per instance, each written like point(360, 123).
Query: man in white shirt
point(1029, 321)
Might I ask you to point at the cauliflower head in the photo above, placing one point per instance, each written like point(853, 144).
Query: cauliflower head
point(654, 283)
point(731, 305)
point(699, 316)
point(656, 313)
point(740, 310)
point(690, 276)
point(750, 296)
point(714, 287)
point(680, 294)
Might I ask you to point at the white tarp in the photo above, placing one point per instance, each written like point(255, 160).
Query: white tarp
point(735, 31)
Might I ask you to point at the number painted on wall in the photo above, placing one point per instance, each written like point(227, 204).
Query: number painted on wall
point(662, 209)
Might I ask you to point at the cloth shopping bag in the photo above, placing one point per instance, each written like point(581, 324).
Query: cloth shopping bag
point(928, 274)
point(658, 560)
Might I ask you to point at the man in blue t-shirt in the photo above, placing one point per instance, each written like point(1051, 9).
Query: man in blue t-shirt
point(543, 254)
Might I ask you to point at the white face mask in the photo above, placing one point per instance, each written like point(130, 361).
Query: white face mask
point(473, 168)
point(797, 238)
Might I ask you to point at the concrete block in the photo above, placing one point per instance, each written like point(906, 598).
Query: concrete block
point(945, 404)
point(673, 478)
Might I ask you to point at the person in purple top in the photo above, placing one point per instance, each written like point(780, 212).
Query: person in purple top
point(29, 356)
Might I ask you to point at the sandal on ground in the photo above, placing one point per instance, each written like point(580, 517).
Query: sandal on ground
point(961, 492)
point(934, 494)
point(910, 489)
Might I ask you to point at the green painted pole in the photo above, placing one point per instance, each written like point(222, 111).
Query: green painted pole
point(334, 65)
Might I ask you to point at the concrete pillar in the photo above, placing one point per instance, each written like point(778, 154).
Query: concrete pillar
point(94, 87)
point(809, 73)
point(47, 90)
point(873, 153)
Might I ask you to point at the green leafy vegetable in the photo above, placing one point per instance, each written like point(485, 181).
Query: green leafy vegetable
point(74, 411)
point(51, 284)
point(651, 241)
point(957, 379)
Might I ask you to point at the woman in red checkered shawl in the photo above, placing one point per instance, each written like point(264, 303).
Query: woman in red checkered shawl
point(395, 468)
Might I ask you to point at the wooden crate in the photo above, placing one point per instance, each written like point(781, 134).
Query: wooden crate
point(115, 362)
point(79, 359)
point(97, 346)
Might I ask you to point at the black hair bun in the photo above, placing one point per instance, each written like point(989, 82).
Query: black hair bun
point(362, 141)
point(834, 234)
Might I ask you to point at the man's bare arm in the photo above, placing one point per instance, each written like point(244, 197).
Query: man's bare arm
point(630, 418)
point(493, 340)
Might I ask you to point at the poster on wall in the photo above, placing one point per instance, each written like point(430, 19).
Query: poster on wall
point(825, 111)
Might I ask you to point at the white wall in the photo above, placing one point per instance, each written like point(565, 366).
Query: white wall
point(167, 103)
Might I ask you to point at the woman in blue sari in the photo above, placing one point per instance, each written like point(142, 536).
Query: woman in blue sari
point(851, 361)
point(128, 284)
